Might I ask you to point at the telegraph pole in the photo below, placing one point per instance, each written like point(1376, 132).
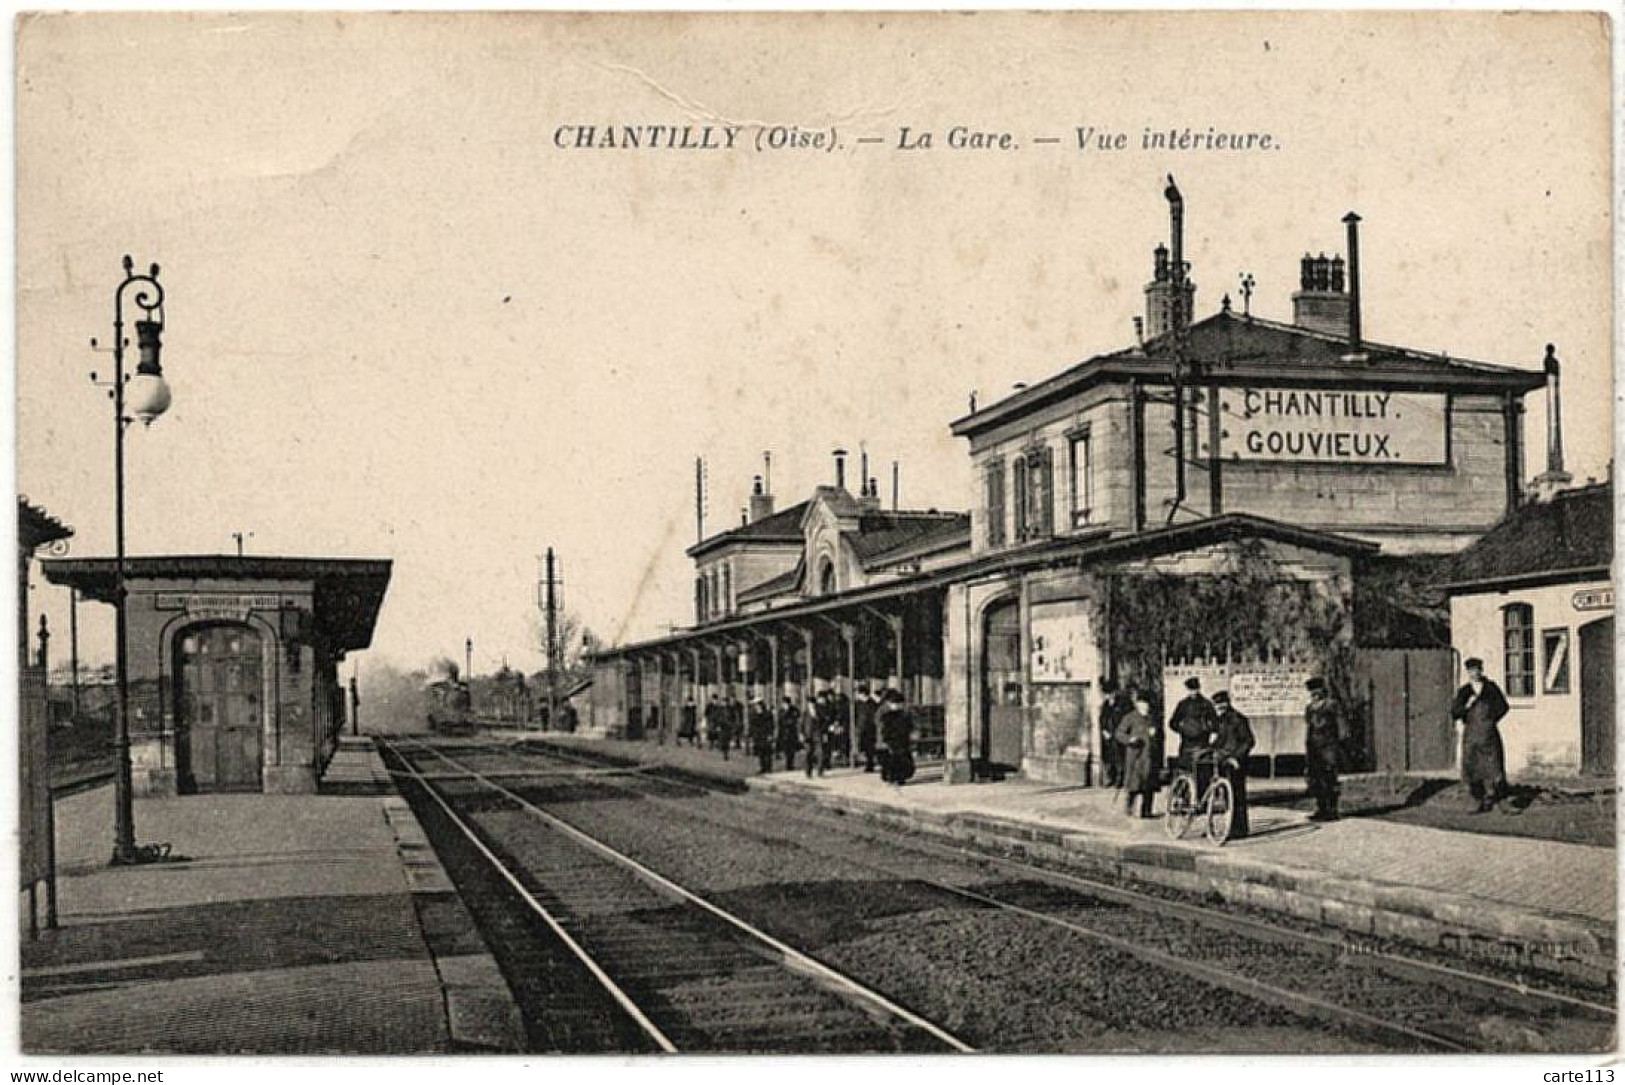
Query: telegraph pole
point(548, 590)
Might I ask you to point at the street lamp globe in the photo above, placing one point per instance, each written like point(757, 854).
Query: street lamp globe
point(147, 395)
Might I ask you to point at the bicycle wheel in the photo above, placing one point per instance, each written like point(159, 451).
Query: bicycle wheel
point(1221, 810)
point(1181, 806)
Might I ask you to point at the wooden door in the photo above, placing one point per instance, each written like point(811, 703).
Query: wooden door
point(1597, 697)
point(1004, 714)
point(221, 720)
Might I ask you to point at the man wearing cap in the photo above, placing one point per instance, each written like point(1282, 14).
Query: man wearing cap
point(1326, 731)
point(1480, 705)
point(1233, 746)
point(1196, 725)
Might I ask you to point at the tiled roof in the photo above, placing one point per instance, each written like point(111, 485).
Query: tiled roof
point(884, 533)
point(1235, 349)
point(782, 526)
point(773, 585)
point(1569, 536)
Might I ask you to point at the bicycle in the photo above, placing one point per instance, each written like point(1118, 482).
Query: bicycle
point(1216, 804)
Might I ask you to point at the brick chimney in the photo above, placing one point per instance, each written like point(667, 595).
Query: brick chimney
point(761, 502)
point(1322, 301)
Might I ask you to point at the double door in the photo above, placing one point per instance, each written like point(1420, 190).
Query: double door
point(220, 670)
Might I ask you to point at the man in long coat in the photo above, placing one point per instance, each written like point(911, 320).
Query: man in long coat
point(761, 734)
point(1325, 733)
point(690, 726)
point(1141, 739)
point(716, 721)
point(812, 737)
point(789, 733)
point(1112, 710)
point(1233, 746)
point(1480, 705)
point(866, 710)
point(897, 732)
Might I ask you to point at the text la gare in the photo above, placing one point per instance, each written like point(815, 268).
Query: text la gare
point(959, 138)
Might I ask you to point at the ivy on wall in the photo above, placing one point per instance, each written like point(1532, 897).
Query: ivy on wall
point(1243, 608)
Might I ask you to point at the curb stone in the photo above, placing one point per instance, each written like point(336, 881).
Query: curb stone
point(481, 1014)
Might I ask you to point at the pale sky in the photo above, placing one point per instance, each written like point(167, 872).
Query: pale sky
point(403, 323)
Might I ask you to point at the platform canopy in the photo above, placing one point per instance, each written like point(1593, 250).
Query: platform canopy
point(348, 591)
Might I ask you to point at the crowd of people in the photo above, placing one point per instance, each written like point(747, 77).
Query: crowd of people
point(1214, 737)
point(874, 728)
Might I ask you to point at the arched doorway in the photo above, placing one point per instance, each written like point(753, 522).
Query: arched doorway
point(1003, 715)
point(1597, 697)
point(219, 708)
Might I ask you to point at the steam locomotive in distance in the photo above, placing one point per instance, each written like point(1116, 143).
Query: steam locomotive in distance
point(451, 708)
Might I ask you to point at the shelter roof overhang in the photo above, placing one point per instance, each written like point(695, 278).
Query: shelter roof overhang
point(348, 592)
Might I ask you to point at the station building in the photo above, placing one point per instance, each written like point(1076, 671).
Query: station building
point(1535, 602)
point(1229, 497)
point(233, 663)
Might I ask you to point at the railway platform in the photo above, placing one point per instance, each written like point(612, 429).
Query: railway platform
point(281, 924)
point(1553, 904)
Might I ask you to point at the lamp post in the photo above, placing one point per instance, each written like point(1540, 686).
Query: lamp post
point(144, 396)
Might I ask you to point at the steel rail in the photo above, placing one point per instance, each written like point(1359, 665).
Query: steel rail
point(792, 957)
point(1419, 969)
point(1246, 986)
point(632, 1009)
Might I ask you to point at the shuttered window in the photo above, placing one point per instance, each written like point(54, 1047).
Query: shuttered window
point(995, 503)
point(1018, 480)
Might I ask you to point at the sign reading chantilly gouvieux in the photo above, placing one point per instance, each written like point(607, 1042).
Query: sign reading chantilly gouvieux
point(1334, 426)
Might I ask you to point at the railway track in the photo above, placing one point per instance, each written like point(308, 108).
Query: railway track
point(683, 973)
point(1411, 1004)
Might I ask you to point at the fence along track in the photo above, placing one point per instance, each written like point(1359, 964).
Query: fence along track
point(1393, 967)
point(872, 1002)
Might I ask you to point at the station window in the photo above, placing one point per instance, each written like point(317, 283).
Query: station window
point(1518, 625)
point(1035, 494)
point(1554, 672)
point(1083, 478)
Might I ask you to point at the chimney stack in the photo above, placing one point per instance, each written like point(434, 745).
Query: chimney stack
point(1356, 345)
point(1321, 304)
point(1170, 295)
point(840, 468)
point(761, 501)
point(895, 483)
point(868, 493)
point(1554, 479)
